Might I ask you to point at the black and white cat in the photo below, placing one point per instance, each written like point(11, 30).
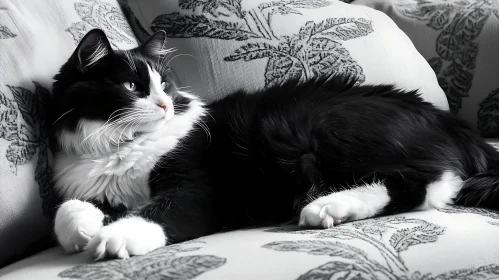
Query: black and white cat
point(140, 163)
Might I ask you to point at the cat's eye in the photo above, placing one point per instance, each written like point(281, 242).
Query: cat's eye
point(131, 86)
point(164, 85)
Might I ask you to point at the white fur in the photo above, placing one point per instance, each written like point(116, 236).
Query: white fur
point(113, 164)
point(353, 204)
point(127, 237)
point(442, 192)
point(76, 222)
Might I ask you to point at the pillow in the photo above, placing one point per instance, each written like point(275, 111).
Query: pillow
point(224, 46)
point(36, 37)
point(460, 40)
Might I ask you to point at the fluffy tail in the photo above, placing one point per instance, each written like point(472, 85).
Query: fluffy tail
point(481, 190)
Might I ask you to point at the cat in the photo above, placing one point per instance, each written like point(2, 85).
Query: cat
point(141, 163)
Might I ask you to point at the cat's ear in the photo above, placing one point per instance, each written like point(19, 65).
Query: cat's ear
point(156, 45)
point(94, 48)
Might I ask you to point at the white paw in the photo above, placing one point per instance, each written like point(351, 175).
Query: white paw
point(127, 237)
point(331, 210)
point(76, 222)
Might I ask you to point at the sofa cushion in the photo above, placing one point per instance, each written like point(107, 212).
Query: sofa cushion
point(224, 46)
point(455, 243)
point(36, 37)
point(460, 40)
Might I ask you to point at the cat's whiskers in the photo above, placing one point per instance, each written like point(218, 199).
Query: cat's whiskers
point(59, 118)
point(179, 55)
point(162, 62)
point(111, 118)
point(206, 129)
point(120, 140)
point(110, 127)
point(126, 121)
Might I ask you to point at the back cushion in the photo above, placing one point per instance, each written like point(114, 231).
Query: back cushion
point(36, 37)
point(224, 46)
point(460, 40)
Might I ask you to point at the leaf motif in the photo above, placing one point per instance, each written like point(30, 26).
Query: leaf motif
point(325, 57)
point(299, 4)
point(344, 28)
point(440, 19)
point(5, 32)
point(318, 247)
point(213, 6)
point(483, 272)
point(464, 28)
point(252, 51)
point(143, 267)
point(470, 210)
point(97, 271)
point(8, 118)
point(340, 270)
point(83, 9)
point(27, 105)
point(99, 14)
point(407, 237)
point(179, 26)
point(190, 267)
point(493, 223)
point(19, 152)
point(377, 228)
point(78, 30)
point(282, 68)
point(159, 264)
point(436, 64)
point(488, 115)
point(456, 81)
point(293, 230)
point(423, 9)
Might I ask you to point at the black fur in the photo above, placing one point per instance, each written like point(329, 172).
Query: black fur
point(270, 151)
point(97, 92)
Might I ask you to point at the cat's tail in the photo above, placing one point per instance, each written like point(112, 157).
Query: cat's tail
point(481, 190)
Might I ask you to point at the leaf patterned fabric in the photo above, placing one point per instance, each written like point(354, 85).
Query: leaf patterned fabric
point(227, 45)
point(451, 243)
point(460, 41)
point(33, 46)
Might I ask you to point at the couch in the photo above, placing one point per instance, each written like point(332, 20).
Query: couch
point(444, 48)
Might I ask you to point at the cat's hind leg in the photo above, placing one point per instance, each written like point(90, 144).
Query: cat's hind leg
point(394, 194)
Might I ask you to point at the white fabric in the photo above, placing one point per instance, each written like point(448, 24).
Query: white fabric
point(36, 37)
point(224, 46)
point(452, 244)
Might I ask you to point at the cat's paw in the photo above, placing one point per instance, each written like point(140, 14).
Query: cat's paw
point(127, 237)
point(76, 222)
point(331, 210)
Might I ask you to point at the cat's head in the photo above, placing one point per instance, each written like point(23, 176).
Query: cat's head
point(104, 97)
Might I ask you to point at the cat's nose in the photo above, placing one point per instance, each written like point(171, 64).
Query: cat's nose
point(162, 106)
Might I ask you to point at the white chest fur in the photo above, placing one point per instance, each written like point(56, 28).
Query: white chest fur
point(118, 175)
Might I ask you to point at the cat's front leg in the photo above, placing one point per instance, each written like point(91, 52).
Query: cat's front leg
point(173, 216)
point(128, 236)
point(76, 222)
point(347, 205)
